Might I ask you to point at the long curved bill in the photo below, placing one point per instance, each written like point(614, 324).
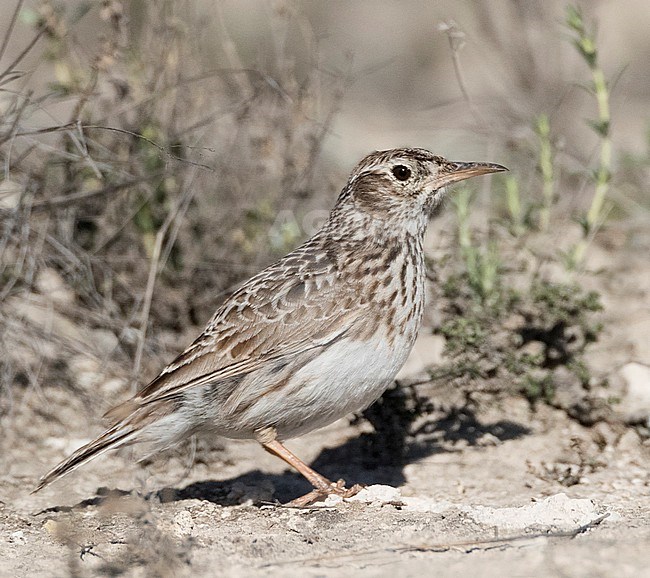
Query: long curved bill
point(452, 172)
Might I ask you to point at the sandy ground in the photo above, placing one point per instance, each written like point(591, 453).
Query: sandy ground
point(480, 510)
point(503, 492)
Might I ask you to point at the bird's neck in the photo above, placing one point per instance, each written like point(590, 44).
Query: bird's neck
point(350, 226)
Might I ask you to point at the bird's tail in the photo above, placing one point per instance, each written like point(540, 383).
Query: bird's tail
point(118, 435)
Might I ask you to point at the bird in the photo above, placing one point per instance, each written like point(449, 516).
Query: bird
point(317, 335)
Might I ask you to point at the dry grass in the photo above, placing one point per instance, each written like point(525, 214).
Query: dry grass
point(141, 182)
point(147, 168)
point(103, 163)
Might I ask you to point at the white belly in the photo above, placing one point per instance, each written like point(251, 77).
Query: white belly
point(347, 377)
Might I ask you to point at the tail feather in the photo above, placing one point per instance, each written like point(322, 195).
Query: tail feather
point(122, 411)
point(113, 438)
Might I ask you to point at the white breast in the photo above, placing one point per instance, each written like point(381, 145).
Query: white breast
point(351, 374)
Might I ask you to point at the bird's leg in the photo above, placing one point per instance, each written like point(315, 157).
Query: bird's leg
point(323, 486)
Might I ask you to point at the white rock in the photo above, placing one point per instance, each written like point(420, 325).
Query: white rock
point(614, 517)
point(332, 500)
point(558, 512)
point(377, 493)
point(17, 537)
point(636, 402)
point(417, 504)
point(182, 524)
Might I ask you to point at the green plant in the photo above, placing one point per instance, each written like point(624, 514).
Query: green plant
point(585, 42)
point(517, 216)
point(481, 263)
point(506, 327)
point(531, 344)
point(149, 170)
point(536, 389)
point(543, 131)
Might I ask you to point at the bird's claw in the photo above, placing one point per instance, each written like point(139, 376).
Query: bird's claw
point(319, 494)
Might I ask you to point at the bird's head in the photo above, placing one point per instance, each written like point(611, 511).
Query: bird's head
point(406, 182)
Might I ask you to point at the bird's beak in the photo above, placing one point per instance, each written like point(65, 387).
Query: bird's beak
point(452, 172)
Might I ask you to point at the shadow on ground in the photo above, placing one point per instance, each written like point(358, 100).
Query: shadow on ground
point(369, 458)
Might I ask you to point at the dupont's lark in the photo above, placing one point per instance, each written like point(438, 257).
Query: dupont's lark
point(317, 335)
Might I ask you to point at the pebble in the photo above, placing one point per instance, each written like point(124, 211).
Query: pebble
point(377, 493)
point(182, 524)
point(635, 404)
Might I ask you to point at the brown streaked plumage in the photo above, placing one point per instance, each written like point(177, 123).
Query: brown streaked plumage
point(318, 334)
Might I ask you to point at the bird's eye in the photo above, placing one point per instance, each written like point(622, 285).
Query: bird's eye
point(401, 172)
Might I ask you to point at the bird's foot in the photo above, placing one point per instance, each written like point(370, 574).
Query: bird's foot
point(319, 494)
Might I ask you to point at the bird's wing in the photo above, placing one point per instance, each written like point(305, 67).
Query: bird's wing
point(294, 306)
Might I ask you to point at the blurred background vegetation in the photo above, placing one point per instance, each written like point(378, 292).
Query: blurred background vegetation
point(157, 153)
